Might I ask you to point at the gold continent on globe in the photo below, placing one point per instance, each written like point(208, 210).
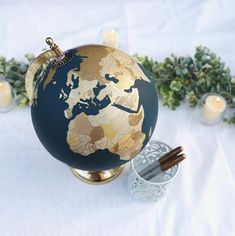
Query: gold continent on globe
point(100, 101)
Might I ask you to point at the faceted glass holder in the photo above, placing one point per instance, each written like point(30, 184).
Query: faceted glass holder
point(7, 96)
point(210, 114)
point(109, 37)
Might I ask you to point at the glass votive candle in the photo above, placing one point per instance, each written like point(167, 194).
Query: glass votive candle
point(7, 95)
point(211, 108)
point(153, 190)
point(109, 37)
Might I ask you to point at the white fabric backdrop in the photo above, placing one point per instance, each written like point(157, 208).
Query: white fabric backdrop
point(40, 196)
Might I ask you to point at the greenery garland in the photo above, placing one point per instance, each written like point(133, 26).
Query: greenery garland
point(177, 78)
point(189, 78)
point(14, 71)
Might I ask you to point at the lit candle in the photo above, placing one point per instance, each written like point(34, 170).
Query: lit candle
point(5, 95)
point(214, 106)
point(110, 38)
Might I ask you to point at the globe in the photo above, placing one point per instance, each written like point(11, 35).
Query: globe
point(95, 109)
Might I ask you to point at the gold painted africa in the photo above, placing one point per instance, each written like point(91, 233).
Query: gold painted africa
point(106, 80)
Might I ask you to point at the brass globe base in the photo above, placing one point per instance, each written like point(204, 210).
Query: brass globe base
point(98, 177)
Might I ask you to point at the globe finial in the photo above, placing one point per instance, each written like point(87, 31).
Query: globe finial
point(54, 47)
point(49, 41)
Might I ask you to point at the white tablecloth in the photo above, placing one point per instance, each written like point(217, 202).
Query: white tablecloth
point(40, 196)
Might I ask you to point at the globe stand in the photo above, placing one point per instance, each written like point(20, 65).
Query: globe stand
point(98, 177)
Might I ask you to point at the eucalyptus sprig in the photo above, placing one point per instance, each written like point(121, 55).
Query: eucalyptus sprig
point(188, 78)
point(14, 71)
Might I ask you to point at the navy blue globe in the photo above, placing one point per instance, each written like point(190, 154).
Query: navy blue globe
point(96, 109)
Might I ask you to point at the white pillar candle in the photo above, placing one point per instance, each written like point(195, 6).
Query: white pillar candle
point(5, 94)
point(214, 106)
point(110, 38)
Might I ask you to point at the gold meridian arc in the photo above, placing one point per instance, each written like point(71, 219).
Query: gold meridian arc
point(34, 66)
